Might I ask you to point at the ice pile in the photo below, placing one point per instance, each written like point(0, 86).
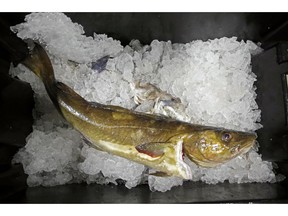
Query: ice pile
point(213, 79)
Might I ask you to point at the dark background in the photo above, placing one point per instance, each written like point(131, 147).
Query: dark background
point(270, 29)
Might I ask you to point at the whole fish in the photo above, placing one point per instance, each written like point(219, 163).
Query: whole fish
point(155, 141)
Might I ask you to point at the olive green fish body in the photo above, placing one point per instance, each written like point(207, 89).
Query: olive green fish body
point(151, 140)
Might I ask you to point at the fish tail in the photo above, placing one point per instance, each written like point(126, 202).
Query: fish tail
point(39, 62)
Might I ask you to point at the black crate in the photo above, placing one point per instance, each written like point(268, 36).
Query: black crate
point(271, 68)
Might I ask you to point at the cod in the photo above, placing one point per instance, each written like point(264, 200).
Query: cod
point(155, 141)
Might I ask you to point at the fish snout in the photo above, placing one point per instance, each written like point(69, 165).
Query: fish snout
point(244, 146)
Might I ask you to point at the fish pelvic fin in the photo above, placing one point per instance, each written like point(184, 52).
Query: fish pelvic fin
point(160, 174)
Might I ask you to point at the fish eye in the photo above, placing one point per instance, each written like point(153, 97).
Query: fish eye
point(226, 137)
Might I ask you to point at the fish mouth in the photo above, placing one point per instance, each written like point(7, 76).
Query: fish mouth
point(242, 148)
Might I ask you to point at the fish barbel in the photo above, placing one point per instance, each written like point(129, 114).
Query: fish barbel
point(155, 141)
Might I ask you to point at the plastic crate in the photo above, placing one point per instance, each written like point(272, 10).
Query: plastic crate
point(271, 68)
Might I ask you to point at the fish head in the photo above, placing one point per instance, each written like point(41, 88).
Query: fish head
point(209, 148)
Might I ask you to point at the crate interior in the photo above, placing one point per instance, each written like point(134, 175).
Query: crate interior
point(270, 29)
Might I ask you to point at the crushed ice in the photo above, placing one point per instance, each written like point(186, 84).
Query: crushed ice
point(212, 78)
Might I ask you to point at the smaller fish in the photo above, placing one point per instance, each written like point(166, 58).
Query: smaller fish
point(172, 109)
point(100, 64)
point(145, 91)
point(164, 103)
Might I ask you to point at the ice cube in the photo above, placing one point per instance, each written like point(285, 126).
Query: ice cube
point(163, 184)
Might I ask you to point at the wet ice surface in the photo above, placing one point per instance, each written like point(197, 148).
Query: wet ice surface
point(213, 79)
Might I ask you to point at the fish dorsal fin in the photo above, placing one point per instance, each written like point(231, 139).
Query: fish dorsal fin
point(68, 94)
point(110, 107)
point(117, 108)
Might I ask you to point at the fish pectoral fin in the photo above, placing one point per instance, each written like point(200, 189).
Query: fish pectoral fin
point(170, 154)
point(160, 174)
point(153, 149)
